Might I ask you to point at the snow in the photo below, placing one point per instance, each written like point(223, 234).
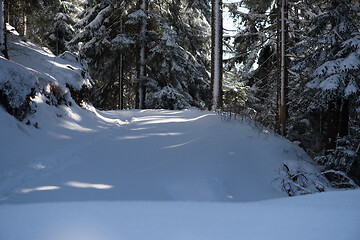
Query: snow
point(353, 42)
point(349, 63)
point(46, 66)
point(19, 78)
point(330, 216)
point(96, 23)
point(121, 41)
point(351, 88)
point(154, 174)
point(330, 83)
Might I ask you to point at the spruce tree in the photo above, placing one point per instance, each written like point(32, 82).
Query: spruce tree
point(176, 74)
point(331, 58)
point(331, 54)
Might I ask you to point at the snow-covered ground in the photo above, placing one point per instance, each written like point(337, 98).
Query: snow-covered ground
point(152, 155)
point(325, 216)
point(155, 174)
point(151, 174)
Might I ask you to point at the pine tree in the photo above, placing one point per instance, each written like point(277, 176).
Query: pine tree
point(255, 57)
point(183, 84)
point(63, 26)
point(332, 56)
point(176, 76)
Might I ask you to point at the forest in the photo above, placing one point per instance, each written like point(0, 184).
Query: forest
point(291, 65)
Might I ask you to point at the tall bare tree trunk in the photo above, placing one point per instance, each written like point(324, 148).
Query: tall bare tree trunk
point(3, 44)
point(216, 54)
point(282, 32)
point(121, 73)
point(24, 19)
point(142, 56)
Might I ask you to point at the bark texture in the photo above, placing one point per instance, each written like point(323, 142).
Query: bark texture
point(282, 65)
point(216, 55)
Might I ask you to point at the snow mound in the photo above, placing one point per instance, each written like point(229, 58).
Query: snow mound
point(148, 155)
point(16, 86)
point(16, 81)
point(67, 69)
point(36, 71)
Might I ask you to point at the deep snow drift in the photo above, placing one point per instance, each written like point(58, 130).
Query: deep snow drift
point(139, 155)
point(80, 173)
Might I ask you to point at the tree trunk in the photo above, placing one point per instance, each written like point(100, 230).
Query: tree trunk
point(282, 65)
point(3, 44)
point(24, 20)
point(344, 118)
point(216, 55)
point(337, 121)
point(142, 56)
point(332, 125)
point(121, 74)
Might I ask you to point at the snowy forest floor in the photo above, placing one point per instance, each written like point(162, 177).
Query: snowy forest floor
point(156, 174)
point(85, 174)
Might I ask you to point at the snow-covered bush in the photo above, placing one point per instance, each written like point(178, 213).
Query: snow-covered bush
point(299, 178)
point(80, 87)
point(55, 94)
point(167, 98)
point(17, 85)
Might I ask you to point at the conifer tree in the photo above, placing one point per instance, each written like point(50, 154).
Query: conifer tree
point(331, 54)
point(255, 57)
point(176, 74)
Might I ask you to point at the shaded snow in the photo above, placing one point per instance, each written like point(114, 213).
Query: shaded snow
point(16, 81)
point(329, 216)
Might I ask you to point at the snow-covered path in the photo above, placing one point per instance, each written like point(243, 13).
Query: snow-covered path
point(156, 174)
point(154, 155)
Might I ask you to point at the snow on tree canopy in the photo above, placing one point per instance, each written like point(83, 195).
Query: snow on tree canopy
point(336, 75)
point(168, 98)
point(353, 42)
point(331, 83)
point(96, 23)
point(136, 16)
point(91, 14)
point(121, 41)
point(351, 88)
point(351, 62)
